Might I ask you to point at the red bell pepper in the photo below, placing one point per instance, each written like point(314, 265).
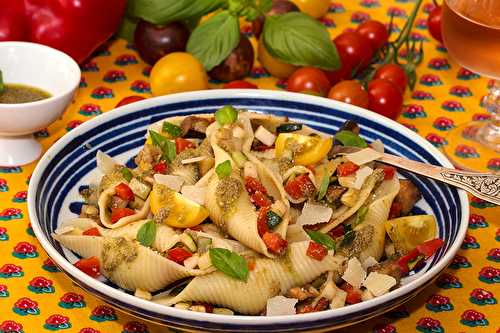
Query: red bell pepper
point(73, 26)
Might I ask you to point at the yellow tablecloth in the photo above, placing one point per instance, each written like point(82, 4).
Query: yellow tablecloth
point(33, 293)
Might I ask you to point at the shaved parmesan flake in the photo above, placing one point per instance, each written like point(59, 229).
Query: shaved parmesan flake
point(195, 193)
point(377, 145)
point(105, 163)
point(379, 284)
point(361, 176)
point(295, 233)
point(366, 295)
point(264, 136)
point(64, 230)
point(194, 159)
point(170, 181)
point(363, 156)
point(354, 274)
point(369, 262)
point(338, 300)
point(347, 181)
point(314, 214)
point(249, 170)
point(280, 305)
point(182, 305)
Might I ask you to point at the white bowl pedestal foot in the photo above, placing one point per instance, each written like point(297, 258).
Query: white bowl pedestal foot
point(19, 150)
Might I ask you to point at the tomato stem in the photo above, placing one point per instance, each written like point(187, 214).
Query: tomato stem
point(2, 87)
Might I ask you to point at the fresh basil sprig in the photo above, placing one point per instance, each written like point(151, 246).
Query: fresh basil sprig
point(229, 263)
point(350, 139)
point(298, 39)
point(324, 186)
point(172, 129)
point(322, 239)
point(147, 233)
point(167, 147)
point(213, 40)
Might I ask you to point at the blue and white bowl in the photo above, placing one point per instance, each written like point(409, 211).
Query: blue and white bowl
point(70, 163)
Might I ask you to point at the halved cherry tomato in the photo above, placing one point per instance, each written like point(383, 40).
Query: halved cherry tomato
point(316, 251)
point(124, 192)
point(260, 199)
point(375, 32)
point(393, 73)
point(357, 47)
point(300, 187)
point(430, 247)
point(346, 169)
point(183, 144)
point(353, 294)
point(262, 226)
point(350, 92)
point(385, 98)
point(434, 23)
point(89, 266)
point(389, 172)
point(253, 185)
point(91, 232)
point(309, 80)
point(178, 254)
point(337, 231)
point(161, 167)
point(240, 84)
point(118, 213)
point(129, 99)
point(274, 242)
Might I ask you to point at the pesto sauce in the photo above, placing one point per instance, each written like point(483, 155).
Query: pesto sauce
point(20, 93)
point(116, 251)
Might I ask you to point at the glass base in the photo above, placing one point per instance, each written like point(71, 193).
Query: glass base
point(466, 148)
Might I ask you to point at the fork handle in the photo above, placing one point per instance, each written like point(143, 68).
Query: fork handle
point(485, 186)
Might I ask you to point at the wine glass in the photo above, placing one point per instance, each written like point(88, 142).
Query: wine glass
point(471, 33)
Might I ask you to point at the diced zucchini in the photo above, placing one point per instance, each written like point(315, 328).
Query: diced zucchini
point(273, 219)
point(138, 203)
point(140, 188)
point(239, 158)
point(188, 242)
point(204, 244)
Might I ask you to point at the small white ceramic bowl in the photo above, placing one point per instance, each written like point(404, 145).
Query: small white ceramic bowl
point(42, 67)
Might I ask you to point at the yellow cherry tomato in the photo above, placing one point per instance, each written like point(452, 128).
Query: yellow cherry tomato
point(275, 67)
point(306, 149)
point(314, 8)
point(177, 72)
point(409, 231)
point(178, 211)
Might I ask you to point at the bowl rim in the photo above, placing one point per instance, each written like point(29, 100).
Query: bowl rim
point(243, 320)
point(55, 53)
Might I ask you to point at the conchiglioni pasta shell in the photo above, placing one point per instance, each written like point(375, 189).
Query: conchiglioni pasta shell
point(104, 200)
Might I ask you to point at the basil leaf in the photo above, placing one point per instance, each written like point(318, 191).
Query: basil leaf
point(212, 41)
point(174, 130)
point(300, 40)
point(165, 11)
point(265, 5)
point(127, 28)
point(229, 263)
point(323, 187)
point(322, 239)
point(147, 233)
point(350, 139)
point(360, 215)
point(223, 169)
point(167, 146)
point(127, 174)
point(226, 115)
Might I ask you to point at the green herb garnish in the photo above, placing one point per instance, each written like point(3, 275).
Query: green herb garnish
point(350, 139)
point(360, 216)
point(174, 130)
point(127, 174)
point(147, 233)
point(223, 169)
point(349, 235)
point(273, 219)
point(167, 147)
point(323, 187)
point(229, 263)
point(322, 239)
point(226, 115)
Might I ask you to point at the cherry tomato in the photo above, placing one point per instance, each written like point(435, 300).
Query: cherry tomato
point(345, 70)
point(351, 92)
point(300, 187)
point(91, 232)
point(240, 84)
point(118, 213)
point(375, 32)
point(262, 226)
point(394, 73)
point(384, 98)
point(89, 266)
point(316, 251)
point(434, 23)
point(253, 185)
point(357, 47)
point(178, 254)
point(309, 80)
point(161, 167)
point(275, 67)
point(259, 199)
point(346, 169)
point(353, 294)
point(124, 192)
point(430, 247)
point(314, 8)
point(182, 144)
point(274, 242)
point(129, 99)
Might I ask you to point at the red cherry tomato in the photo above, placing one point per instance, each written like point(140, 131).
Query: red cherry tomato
point(178, 254)
point(345, 70)
point(434, 23)
point(91, 232)
point(274, 242)
point(346, 169)
point(182, 144)
point(89, 266)
point(394, 73)
point(118, 213)
point(384, 98)
point(124, 192)
point(351, 92)
point(357, 47)
point(309, 80)
point(375, 32)
point(240, 84)
point(316, 251)
point(300, 187)
point(129, 99)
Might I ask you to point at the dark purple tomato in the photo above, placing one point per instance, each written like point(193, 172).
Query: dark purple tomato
point(279, 7)
point(237, 65)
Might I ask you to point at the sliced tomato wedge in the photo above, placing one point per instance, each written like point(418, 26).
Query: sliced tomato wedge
point(89, 266)
point(346, 169)
point(124, 192)
point(253, 185)
point(300, 187)
point(118, 213)
point(430, 247)
point(91, 232)
point(178, 254)
point(262, 226)
point(259, 199)
point(353, 294)
point(389, 172)
point(161, 167)
point(316, 251)
point(183, 144)
point(274, 242)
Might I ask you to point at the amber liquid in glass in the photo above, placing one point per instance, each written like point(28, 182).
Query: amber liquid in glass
point(471, 32)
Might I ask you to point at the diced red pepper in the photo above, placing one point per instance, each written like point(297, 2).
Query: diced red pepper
point(274, 242)
point(306, 309)
point(389, 172)
point(346, 169)
point(353, 294)
point(118, 213)
point(178, 254)
point(124, 192)
point(89, 266)
point(92, 232)
point(300, 187)
point(253, 185)
point(322, 304)
point(251, 265)
point(430, 247)
point(316, 251)
point(336, 232)
point(262, 226)
point(183, 144)
point(240, 84)
point(410, 257)
point(160, 167)
point(259, 199)
point(395, 210)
